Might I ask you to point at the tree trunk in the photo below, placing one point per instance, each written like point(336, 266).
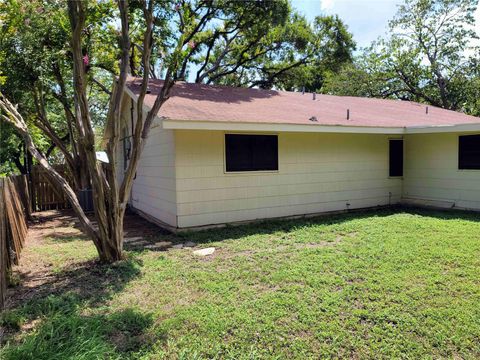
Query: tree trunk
point(109, 211)
point(115, 251)
point(112, 249)
point(110, 198)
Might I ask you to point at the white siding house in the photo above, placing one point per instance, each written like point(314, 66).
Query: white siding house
point(316, 173)
point(154, 187)
point(432, 175)
point(323, 163)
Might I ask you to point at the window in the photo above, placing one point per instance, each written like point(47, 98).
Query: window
point(396, 157)
point(251, 152)
point(469, 152)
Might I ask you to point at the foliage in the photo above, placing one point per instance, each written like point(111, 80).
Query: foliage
point(279, 49)
point(10, 149)
point(429, 57)
point(377, 284)
point(246, 43)
point(332, 48)
point(20, 34)
point(35, 35)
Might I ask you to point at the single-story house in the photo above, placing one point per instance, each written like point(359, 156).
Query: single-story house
point(219, 154)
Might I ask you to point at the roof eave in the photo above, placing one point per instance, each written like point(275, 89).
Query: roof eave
point(471, 127)
point(276, 127)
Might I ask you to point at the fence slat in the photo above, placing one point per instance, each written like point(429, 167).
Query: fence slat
point(22, 187)
point(16, 218)
point(3, 248)
point(13, 230)
point(46, 195)
point(19, 197)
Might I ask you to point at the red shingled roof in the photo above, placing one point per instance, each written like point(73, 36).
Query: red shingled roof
point(198, 102)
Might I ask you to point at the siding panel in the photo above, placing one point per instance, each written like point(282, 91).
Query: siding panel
point(153, 190)
point(317, 172)
point(431, 171)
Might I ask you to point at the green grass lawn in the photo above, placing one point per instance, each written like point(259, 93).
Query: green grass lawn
point(385, 284)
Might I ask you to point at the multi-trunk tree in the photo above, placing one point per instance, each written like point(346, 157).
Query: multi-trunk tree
point(218, 41)
point(36, 63)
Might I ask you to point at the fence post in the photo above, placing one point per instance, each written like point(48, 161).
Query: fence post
point(16, 220)
point(3, 246)
point(30, 180)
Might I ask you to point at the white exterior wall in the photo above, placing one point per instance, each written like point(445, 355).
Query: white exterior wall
point(431, 172)
point(317, 173)
point(181, 179)
point(153, 190)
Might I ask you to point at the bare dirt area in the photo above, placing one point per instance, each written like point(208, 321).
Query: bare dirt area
point(37, 276)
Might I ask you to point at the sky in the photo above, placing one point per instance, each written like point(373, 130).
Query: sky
point(366, 19)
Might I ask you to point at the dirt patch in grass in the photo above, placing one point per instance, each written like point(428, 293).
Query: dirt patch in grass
point(274, 249)
point(50, 223)
point(45, 265)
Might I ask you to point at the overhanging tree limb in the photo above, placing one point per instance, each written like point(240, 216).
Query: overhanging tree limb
point(10, 114)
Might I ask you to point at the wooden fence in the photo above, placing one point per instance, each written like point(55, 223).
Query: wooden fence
point(23, 189)
point(14, 210)
point(45, 196)
point(4, 257)
point(19, 197)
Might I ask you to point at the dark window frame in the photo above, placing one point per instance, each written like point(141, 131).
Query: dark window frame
point(466, 153)
point(269, 165)
point(395, 170)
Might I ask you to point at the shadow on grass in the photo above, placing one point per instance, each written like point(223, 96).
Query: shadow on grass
point(63, 236)
point(61, 216)
point(266, 227)
point(67, 316)
point(287, 225)
point(447, 214)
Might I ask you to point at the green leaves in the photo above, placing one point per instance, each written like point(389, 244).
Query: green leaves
point(35, 56)
point(249, 43)
point(429, 57)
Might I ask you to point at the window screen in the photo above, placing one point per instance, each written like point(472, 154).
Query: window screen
point(469, 152)
point(396, 157)
point(251, 152)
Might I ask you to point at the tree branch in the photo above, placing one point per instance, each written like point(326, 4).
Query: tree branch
point(13, 117)
point(102, 87)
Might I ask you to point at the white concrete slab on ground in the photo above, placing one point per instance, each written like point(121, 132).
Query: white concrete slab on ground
point(204, 252)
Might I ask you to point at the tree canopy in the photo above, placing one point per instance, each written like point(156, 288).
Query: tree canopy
point(37, 74)
point(428, 57)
